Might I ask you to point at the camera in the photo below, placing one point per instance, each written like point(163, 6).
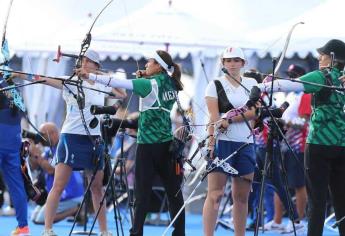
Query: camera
point(36, 137)
point(35, 192)
point(125, 123)
point(276, 112)
point(110, 127)
point(254, 74)
point(99, 110)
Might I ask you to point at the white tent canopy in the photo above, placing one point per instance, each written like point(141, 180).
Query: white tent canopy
point(38, 26)
point(189, 26)
point(162, 25)
point(321, 23)
point(132, 27)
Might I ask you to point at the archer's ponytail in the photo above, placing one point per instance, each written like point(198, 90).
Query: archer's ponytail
point(176, 75)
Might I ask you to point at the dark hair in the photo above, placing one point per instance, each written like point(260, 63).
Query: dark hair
point(339, 65)
point(176, 75)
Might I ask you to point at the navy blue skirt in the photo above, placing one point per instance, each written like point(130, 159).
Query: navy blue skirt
point(243, 162)
point(78, 152)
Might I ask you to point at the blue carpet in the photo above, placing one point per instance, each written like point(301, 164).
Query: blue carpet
point(193, 227)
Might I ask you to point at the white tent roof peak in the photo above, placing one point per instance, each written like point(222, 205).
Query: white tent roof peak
point(161, 24)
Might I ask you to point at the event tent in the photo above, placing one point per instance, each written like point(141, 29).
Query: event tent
point(321, 23)
point(201, 28)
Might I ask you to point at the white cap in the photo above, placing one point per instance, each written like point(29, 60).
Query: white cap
point(93, 56)
point(232, 52)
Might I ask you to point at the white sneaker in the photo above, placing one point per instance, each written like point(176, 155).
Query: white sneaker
point(273, 226)
point(8, 211)
point(105, 233)
point(48, 232)
point(300, 227)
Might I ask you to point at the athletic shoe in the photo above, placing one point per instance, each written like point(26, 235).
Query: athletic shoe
point(8, 211)
point(21, 231)
point(300, 228)
point(48, 232)
point(105, 233)
point(273, 226)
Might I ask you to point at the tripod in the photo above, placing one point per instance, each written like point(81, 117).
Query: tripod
point(120, 162)
point(120, 167)
point(274, 136)
point(87, 199)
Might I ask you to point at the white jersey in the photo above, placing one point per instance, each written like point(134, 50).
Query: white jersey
point(73, 122)
point(238, 131)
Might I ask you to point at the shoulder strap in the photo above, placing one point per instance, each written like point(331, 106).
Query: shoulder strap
point(223, 102)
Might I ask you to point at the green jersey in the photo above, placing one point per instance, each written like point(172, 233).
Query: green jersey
point(327, 123)
point(157, 96)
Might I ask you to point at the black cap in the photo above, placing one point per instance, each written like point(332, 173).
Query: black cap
point(295, 71)
point(334, 45)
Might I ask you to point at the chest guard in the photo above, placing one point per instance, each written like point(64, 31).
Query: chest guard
point(147, 103)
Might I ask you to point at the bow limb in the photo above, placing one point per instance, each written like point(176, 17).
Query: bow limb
point(80, 95)
point(99, 15)
point(4, 45)
point(281, 58)
point(87, 40)
point(5, 24)
point(15, 96)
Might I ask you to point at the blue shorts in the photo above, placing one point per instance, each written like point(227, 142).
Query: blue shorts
point(243, 162)
point(294, 169)
point(77, 151)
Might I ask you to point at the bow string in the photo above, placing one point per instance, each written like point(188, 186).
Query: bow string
point(80, 96)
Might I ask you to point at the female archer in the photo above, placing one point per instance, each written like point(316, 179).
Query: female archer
point(235, 134)
point(78, 147)
point(325, 145)
point(157, 87)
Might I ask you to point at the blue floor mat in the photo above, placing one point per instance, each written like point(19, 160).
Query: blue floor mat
point(193, 227)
